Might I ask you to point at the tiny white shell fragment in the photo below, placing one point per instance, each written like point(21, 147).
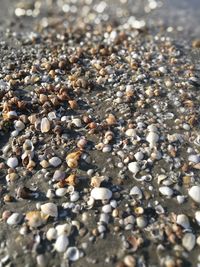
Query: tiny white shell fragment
point(50, 209)
point(61, 243)
point(73, 254)
point(194, 193)
point(189, 241)
point(101, 193)
point(12, 162)
point(51, 234)
point(55, 161)
point(45, 125)
point(183, 221)
point(14, 219)
point(133, 167)
point(166, 191)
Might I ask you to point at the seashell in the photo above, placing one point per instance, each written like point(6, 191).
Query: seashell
point(28, 145)
point(74, 196)
point(129, 220)
point(166, 191)
point(101, 193)
point(180, 199)
point(12, 162)
point(111, 120)
point(141, 222)
point(77, 122)
point(152, 128)
point(61, 192)
point(64, 229)
point(109, 136)
point(97, 180)
point(134, 167)
point(73, 104)
point(36, 218)
point(72, 254)
point(72, 159)
point(45, 125)
point(51, 234)
point(107, 208)
point(183, 221)
point(197, 217)
point(135, 191)
point(107, 148)
point(139, 210)
point(159, 209)
point(189, 241)
point(152, 138)
point(44, 163)
point(58, 175)
point(130, 133)
point(50, 209)
point(194, 193)
point(61, 243)
point(31, 165)
point(194, 158)
point(90, 202)
point(161, 177)
point(19, 125)
point(139, 156)
point(55, 161)
point(52, 116)
point(10, 115)
point(82, 143)
point(71, 179)
point(14, 219)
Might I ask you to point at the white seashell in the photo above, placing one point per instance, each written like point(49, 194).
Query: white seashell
point(61, 192)
point(64, 229)
point(14, 219)
point(134, 167)
point(135, 191)
point(141, 222)
point(197, 217)
point(55, 161)
point(166, 191)
point(194, 158)
point(28, 145)
point(45, 125)
point(50, 209)
point(107, 208)
point(12, 162)
point(194, 193)
point(61, 243)
point(183, 221)
point(73, 254)
point(189, 241)
point(74, 196)
point(139, 156)
point(106, 149)
point(12, 114)
point(152, 138)
point(101, 193)
point(51, 234)
point(19, 125)
point(77, 122)
point(58, 175)
point(130, 132)
point(51, 116)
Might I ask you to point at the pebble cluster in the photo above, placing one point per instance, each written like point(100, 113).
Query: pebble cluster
point(100, 144)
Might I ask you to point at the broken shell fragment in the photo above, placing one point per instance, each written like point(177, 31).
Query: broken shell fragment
point(101, 193)
point(50, 209)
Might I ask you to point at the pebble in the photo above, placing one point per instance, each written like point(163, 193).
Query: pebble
point(183, 220)
point(134, 167)
point(55, 161)
point(73, 254)
point(166, 191)
point(61, 243)
point(50, 209)
point(141, 222)
point(194, 193)
point(189, 241)
point(12, 162)
point(14, 219)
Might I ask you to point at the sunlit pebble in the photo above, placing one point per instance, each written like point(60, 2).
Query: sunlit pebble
point(180, 199)
point(162, 70)
point(12, 162)
point(41, 260)
point(134, 167)
point(106, 149)
point(104, 217)
point(194, 193)
point(50, 209)
point(77, 122)
point(74, 196)
point(45, 125)
point(19, 125)
point(14, 219)
point(50, 194)
point(101, 193)
point(139, 156)
point(141, 222)
point(189, 241)
point(61, 243)
point(61, 192)
point(197, 217)
point(55, 161)
point(51, 234)
point(130, 132)
point(166, 191)
point(107, 208)
point(183, 221)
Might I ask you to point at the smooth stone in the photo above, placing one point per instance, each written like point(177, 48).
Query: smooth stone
point(55, 161)
point(14, 219)
point(194, 193)
point(183, 221)
point(166, 191)
point(134, 167)
point(189, 241)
